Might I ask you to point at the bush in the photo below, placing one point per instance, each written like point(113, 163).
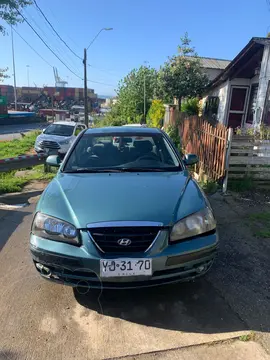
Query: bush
point(156, 114)
point(191, 106)
point(242, 185)
point(173, 133)
point(261, 133)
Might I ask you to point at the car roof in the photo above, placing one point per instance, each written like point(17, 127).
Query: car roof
point(123, 130)
point(71, 123)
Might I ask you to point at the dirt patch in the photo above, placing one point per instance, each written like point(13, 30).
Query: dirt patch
point(242, 273)
point(31, 152)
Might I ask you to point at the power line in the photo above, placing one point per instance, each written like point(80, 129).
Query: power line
point(32, 48)
point(63, 41)
point(59, 48)
point(101, 83)
point(105, 71)
point(59, 51)
point(27, 22)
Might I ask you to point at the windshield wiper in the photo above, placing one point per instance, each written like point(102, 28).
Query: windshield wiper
point(122, 169)
point(143, 169)
point(89, 170)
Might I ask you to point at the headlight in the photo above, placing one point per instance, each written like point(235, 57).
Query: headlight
point(63, 142)
point(51, 228)
point(193, 225)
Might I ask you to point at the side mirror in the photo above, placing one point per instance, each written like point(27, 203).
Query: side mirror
point(53, 160)
point(43, 130)
point(190, 159)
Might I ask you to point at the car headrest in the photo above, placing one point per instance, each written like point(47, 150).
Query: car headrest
point(143, 146)
point(98, 150)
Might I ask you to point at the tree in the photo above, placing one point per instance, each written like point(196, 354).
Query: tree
point(9, 11)
point(3, 74)
point(156, 114)
point(191, 106)
point(130, 94)
point(182, 76)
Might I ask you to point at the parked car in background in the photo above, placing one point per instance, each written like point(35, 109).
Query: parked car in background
point(123, 217)
point(58, 137)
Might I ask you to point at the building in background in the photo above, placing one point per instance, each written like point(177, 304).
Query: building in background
point(31, 94)
point(212, 66)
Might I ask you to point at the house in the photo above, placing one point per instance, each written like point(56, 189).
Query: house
point(212, 67)
point(240, 95)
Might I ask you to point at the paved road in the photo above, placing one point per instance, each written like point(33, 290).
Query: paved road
point(41, 320)
point(10, 132)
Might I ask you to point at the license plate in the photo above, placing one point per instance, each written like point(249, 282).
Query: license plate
point(50, 151)
point(125, 267)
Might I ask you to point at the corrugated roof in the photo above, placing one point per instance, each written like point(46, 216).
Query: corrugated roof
point(224, 75)
point(212, 63)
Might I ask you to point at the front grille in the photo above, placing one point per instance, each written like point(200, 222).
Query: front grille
point(140, 237)
point(49, 144)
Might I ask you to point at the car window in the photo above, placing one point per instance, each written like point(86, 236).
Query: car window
point(59, 129)
point(95, 151)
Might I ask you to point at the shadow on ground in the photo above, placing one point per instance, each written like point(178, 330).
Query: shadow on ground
point(9, 221)
point(234, 295)
point(189, 307)
point(8, 355)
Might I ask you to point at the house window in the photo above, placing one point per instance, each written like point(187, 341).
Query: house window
point(211, 107)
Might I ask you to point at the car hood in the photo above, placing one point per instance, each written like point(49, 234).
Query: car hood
point(56, 138)
point(86, 198)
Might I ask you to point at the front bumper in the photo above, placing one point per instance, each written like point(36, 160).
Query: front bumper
point(80, 266)
point(62, 150)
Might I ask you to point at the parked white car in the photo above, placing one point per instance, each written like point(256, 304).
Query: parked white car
point(58, 137)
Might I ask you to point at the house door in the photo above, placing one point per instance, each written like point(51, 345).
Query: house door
point(237, 106)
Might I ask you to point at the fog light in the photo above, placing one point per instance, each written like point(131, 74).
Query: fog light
point(43, 269)
point(200, 269)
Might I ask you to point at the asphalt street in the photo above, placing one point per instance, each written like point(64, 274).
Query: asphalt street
point(10, 132)
point(41, 320)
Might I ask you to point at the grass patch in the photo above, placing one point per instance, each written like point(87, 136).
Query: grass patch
point(248, 337)
point(241, 185)
point(209, 186)
point(260, 224)
point(11, 183)
point(18, 147)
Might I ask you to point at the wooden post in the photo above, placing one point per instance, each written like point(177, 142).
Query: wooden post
point(227, 159)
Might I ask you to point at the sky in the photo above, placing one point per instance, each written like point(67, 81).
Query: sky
point(143, 30)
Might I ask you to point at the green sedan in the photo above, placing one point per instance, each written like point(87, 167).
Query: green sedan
point(123, 214)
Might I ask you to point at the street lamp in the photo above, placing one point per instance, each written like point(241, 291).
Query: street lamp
point(28, 75)
point(85, 75)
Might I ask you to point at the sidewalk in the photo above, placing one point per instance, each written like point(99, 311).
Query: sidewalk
point(230, 350)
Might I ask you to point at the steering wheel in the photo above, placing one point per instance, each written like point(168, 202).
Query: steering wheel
point(148, 157)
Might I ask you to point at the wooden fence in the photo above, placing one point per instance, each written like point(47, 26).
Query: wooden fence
point(250, 157)
point(224, 156)
point(208, 142)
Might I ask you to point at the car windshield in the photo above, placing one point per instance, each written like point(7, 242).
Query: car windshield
point(59, 129)
point(122, 152)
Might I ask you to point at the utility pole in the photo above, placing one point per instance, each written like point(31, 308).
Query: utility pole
point(144, 94)
point(52, 109)
point(85, 88)
point(28, 75)
point(85, 75)
point(144, 99)
point(14, 70)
